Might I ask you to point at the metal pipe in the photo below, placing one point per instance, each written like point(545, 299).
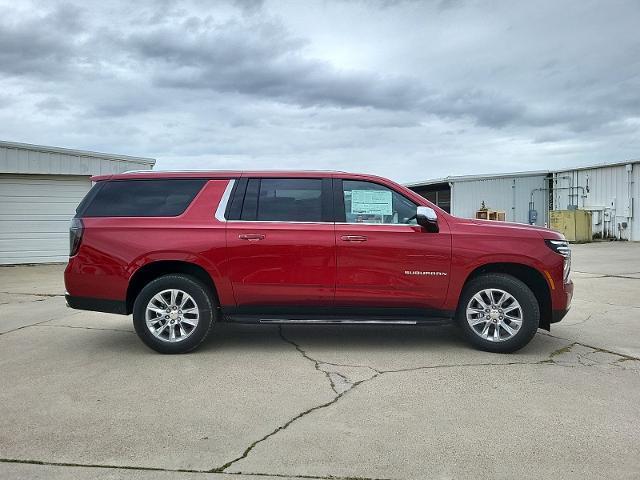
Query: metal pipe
point(558, 188)
point(571, 194)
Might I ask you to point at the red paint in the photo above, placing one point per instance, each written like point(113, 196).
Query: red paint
point(277, 263)
point(293, 264)
point(372, 272)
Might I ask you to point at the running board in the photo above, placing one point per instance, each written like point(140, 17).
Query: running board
point(336, 321)
point(331, 320)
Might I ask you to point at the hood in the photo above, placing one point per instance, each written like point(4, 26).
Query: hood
point(493, 227)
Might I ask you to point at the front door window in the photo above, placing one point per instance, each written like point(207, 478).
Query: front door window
point(366, 202)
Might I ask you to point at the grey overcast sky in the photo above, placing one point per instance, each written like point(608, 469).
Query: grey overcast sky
point(406, 89)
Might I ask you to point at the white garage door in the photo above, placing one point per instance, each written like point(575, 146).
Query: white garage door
point(35, 211)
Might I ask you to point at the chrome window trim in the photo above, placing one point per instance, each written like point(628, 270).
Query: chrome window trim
point(280, 221)
point(326, 223)
point(224, 200)
point(226, 196)
point(381, 224)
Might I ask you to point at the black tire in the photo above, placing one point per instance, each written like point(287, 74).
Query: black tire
point(523, 295)
point(201, 297)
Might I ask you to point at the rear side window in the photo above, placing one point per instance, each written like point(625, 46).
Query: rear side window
point(292, 200)
point(141, 198)
point(287, 200)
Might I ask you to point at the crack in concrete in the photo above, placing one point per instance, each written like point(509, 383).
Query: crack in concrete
point(599, 349)
point(26, 326)
point(348, 365)
point(35, 294)
point(25, 301)
point(583, 360)
point(600, 302)
point(607, 275)
point(338, 396)
point(580, 322)
point(284, 426)
point(340, 389)
point(339, 383)
point(38, 324)
point(346, 387)
point(175, 470)
point(588, 357)
point(85, 328)
point(92, 465)
point(315, 362)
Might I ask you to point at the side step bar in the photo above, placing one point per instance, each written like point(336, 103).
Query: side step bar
point(336, 321)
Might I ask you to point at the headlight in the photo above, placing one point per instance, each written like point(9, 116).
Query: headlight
point(561, 247)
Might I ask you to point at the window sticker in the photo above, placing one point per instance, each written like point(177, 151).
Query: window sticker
point(371, 202)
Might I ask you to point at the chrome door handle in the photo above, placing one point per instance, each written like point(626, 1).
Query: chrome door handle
point(353, 238)
point(252, 237)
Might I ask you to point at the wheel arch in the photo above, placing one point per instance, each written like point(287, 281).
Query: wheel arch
point(530, 276)
point(156, 269)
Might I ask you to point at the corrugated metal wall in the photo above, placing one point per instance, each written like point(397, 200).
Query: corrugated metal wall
point(23, 160)
point(40, 188)
point(510, 194)
point(611, 194)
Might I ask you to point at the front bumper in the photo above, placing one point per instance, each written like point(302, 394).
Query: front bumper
point(557, 315)
point(564, 303)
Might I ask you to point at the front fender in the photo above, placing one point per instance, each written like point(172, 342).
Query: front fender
point(479, 253)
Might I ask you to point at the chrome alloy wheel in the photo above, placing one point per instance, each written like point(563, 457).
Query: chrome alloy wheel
point(494, 315)
point(172, 315)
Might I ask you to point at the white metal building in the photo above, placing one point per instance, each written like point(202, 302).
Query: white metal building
point(509, 192)
point(607, 190)
point(40, 188)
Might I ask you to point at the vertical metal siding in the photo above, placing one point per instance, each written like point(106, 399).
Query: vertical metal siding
point(608, 192)
point(499, 194)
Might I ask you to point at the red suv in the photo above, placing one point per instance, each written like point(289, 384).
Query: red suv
point(183, 250)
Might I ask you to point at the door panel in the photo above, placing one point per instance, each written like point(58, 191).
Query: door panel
point(384, 259)
point(397, 266)
point(282, 250)
point(282, 264)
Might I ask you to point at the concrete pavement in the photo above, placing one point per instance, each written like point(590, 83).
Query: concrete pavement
point(82, 397)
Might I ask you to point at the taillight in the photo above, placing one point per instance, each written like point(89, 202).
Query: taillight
point(75, 236)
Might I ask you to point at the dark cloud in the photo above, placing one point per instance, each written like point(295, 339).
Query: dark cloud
point(449, 4)
point(262, 60)
point(39, 44)
point(51, 104)
point(249, 6)
point(267, 83)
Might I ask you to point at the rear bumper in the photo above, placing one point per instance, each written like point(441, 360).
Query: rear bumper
point(96, 304)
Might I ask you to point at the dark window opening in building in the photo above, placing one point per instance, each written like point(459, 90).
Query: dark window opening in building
point(438, 193)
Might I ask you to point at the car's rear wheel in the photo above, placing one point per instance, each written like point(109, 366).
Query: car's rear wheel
point(173, 313)
point(498, 313)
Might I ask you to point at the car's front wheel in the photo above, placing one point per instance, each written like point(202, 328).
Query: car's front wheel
point(498, 313)
point(173, 313)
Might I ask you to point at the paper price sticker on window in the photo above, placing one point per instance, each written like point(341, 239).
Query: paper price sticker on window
point(371, 202)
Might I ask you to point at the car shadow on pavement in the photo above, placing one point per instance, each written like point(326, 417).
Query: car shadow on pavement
point(241, 339)
point(226, 335)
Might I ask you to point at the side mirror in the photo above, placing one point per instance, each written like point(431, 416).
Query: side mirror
point(427, 218)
